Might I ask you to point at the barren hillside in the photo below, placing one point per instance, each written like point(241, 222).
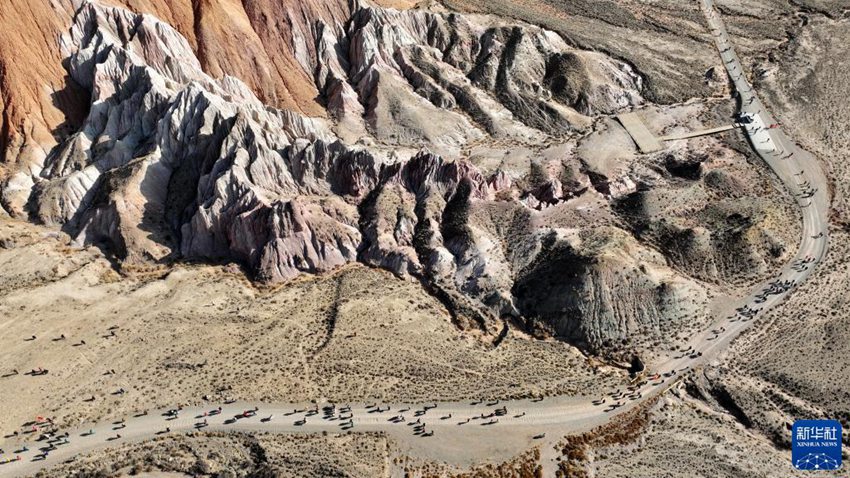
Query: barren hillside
point(281, 201)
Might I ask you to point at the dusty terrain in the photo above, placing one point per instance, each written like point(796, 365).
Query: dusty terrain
point(685, 437)
point(358, 334)
point(238, 455)
point(358, 455)
point(792, 363)
point(564, 238)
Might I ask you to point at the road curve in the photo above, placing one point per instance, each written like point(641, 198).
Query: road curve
point(450, 427)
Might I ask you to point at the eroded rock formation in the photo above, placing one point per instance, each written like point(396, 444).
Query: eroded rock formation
point(176, 159)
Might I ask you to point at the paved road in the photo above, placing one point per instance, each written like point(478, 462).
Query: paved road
point(523, 419)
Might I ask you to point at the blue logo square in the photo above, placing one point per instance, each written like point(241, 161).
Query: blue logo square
point(816, 445)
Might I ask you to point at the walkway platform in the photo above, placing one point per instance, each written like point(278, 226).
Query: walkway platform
point(645, 140)
point(694, 134)
point(649, 143)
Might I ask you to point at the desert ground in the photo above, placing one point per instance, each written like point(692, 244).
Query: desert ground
point(195, 331)
point(792, 363)
point(184, 333)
